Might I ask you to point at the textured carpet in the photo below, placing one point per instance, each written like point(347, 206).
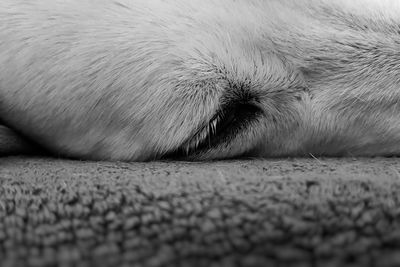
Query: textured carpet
point(299, 212)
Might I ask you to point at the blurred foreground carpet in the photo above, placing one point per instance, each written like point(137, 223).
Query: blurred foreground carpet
point(296, 212)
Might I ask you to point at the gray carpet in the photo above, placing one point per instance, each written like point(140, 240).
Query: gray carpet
point(296, 212)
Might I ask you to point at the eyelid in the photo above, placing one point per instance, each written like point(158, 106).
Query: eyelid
point(201, 135)
point(223, 127)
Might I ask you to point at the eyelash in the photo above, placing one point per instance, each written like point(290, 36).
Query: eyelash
point(222, 126)
point(206, 132)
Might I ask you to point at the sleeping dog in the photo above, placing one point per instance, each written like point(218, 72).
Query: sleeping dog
point(137, 80)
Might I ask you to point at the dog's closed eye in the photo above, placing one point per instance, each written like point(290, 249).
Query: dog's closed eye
point(231, 119)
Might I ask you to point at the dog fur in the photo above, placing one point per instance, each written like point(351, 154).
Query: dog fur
point(138, 80)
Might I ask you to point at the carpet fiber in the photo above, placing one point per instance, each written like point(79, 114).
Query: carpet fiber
point(296, 212)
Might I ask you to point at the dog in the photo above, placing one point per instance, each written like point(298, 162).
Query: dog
point(139, 80)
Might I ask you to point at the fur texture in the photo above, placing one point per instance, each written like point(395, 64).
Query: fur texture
point(201, 79)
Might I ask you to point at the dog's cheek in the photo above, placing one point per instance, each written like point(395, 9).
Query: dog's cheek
point(177, 115)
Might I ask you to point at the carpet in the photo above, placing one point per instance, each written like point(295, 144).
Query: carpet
point(282, 212)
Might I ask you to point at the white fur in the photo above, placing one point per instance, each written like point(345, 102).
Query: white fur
point(137, 79)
